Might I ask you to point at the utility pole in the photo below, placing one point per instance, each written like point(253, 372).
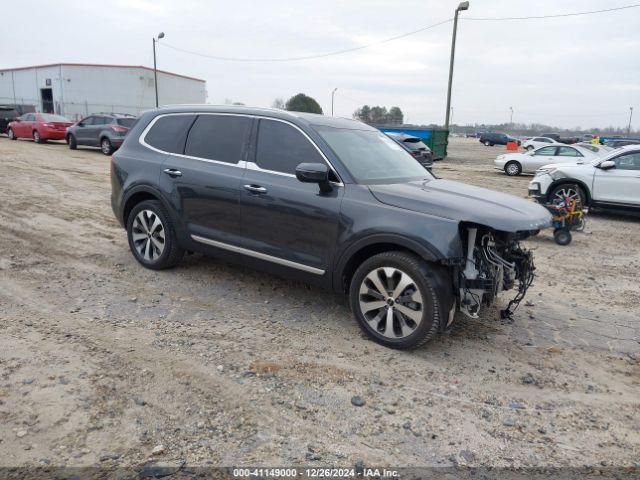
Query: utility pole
point(155, 70)
point(511, 118)
point(333, 93)
point(462, 6)
point(630, 117)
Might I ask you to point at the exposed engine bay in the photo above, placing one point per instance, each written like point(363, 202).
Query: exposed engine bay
point(495, 262)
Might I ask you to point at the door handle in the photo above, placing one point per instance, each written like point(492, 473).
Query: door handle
point(172, 172)
point(255, 189)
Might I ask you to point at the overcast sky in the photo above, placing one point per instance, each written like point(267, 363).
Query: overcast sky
point(575, 71)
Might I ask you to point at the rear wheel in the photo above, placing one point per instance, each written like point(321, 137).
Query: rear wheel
point(486, 143)
point(73, 143)
point(106, 147)
point(513, 169)
point(529, 147)
point(11, 135)
point(152, 236)
point(37, 138)
point(568, 190)
point(394, 299)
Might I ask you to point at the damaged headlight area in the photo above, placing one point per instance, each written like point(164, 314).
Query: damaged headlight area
point(495, 262)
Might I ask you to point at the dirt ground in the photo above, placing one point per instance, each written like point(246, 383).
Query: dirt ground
point(103, 361)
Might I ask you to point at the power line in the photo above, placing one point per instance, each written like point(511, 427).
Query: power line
point(390, 39)
point(308, 57)
point(558, 15)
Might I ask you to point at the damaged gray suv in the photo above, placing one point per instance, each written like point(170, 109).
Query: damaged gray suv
point(327, 201)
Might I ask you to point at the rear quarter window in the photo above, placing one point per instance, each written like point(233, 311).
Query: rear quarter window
point(169, 133)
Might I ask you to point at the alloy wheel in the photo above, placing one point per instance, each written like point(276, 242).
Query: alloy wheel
point(36, 137)
point(391, 302)
point(106, 146)
point(567, 192)
point(148, 235)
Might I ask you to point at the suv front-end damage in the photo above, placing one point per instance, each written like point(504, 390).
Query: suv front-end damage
point(495, 262)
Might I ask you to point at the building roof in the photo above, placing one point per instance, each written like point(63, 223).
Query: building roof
point(98, 65)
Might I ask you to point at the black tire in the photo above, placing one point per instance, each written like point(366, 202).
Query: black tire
point(572, 189)
point(105, 146)
point(11, 135)
point(172, 252)
point(37, 138)
point(73, 143)
point(513, 168)
point(562, 236)
point(433, 284)
point(529, 147)
point(486, 143)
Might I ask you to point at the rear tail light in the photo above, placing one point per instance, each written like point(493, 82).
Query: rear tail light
point(118, 128)
point(415, 153)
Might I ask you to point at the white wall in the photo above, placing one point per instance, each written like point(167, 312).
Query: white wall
point(82, 90)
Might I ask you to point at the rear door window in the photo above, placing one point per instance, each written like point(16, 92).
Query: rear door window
point(218, 137)
point(281, 148)
point(568, 152)
point(546, 151)
point(169, 133)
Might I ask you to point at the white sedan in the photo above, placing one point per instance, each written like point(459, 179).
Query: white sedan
point(537, 142)
point(528, 162)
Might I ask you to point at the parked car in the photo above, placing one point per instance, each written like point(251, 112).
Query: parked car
point(516, 163)
point(559, 139)
point(611, 182)
point(415, 146)
point(491, 139)
point(537, 142)
point(622, 142)
point(7, 115)
point(105, 130)
point(324, 200)
point(39, 126)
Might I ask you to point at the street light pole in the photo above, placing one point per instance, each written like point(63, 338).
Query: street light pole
point(333, 93)
point(630, 117)
point(462, 6)
point(155, 70)
point(511, 118)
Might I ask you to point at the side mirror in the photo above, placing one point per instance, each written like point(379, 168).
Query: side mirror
point(607, 165)
point(314, 173)
point(80, 124)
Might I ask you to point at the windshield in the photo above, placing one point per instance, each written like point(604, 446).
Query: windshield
point(47, 117)
point(371, 156)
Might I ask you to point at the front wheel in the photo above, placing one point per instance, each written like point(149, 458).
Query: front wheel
point(562, 236)
point(486, 143)
point(152, 236)
point(570, 191)
point(529, 147)
point(11, 135)
point(73, 143)
point(513, 169)
point(394, 297)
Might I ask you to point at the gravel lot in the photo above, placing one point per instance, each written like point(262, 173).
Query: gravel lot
point(102, 361)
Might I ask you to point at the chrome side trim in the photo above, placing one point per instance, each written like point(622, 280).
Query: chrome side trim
point(261, 256)
point(239, 163)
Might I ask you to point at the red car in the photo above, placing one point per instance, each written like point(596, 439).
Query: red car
point(39, 126)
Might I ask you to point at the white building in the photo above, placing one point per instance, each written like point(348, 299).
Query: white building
point(76, 90)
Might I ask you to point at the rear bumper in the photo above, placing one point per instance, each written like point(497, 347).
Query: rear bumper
point(53, 134)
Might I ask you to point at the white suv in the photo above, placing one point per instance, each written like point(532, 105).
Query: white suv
point(612, 181)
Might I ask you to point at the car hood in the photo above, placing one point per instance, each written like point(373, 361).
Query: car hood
point(464, 203)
